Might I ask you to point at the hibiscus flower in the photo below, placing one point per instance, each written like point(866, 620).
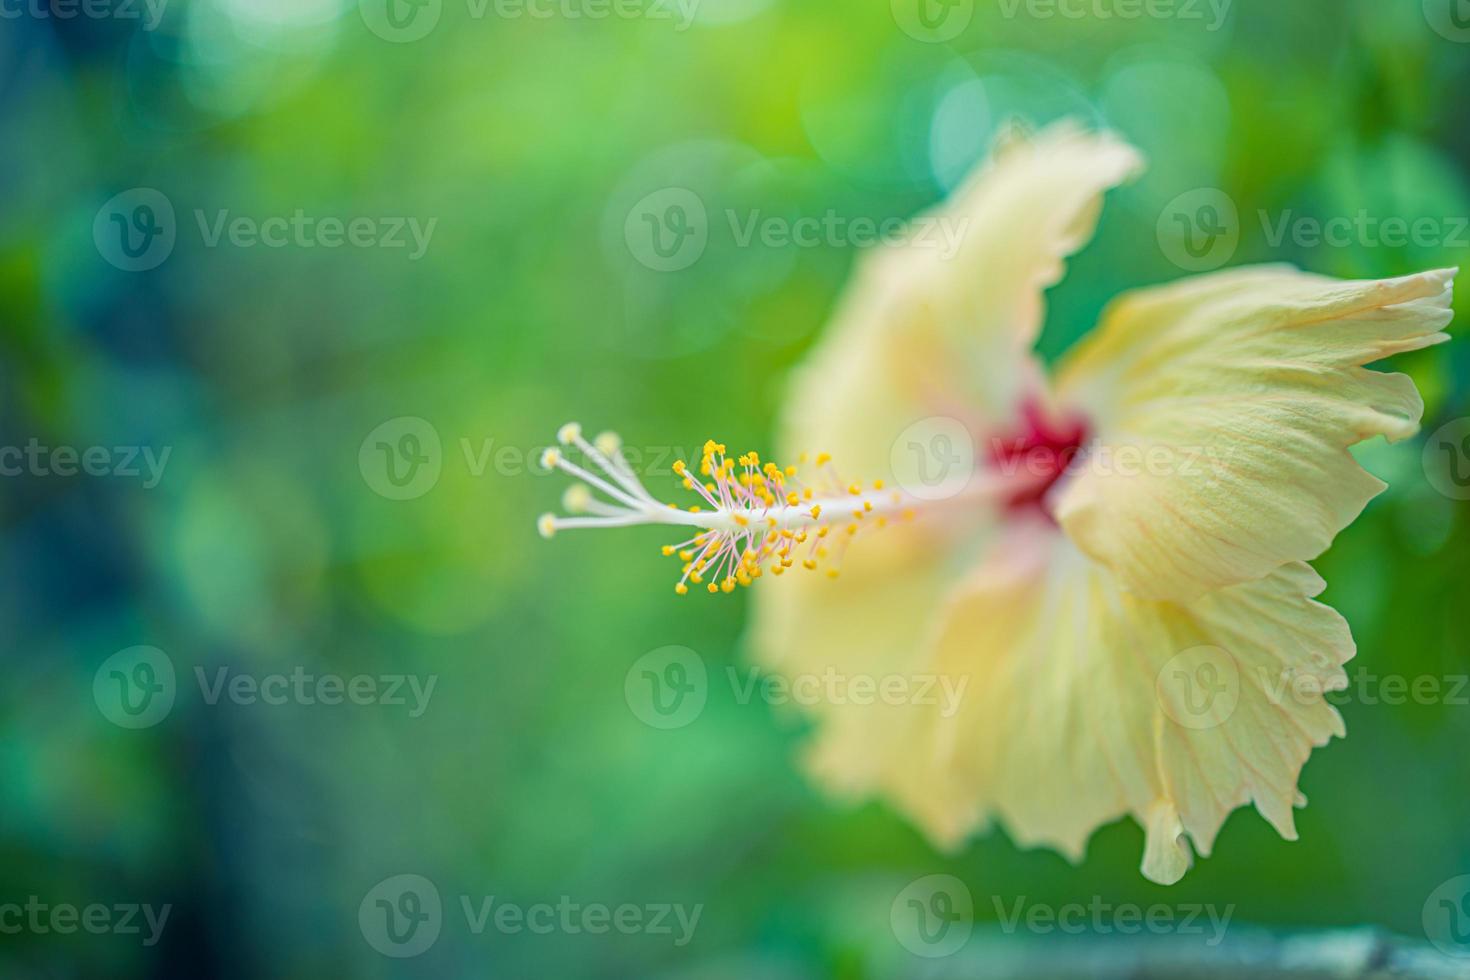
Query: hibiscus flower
point(1115, 576)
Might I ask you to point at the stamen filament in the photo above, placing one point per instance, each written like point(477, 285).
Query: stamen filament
point(757, 513)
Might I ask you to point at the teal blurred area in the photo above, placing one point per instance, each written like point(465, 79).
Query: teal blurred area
point(170, 293)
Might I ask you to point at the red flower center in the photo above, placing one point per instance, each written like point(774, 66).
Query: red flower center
point(1037, 452)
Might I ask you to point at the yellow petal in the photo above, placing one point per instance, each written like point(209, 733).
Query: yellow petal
point(1085, 703)
point(923, 333)
point(1225, 405)
point(873, 625)
point(943, 324)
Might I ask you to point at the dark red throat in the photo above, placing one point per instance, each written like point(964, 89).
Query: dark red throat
point(1037, 452)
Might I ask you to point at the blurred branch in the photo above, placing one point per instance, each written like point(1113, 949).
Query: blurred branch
point(1353, 954)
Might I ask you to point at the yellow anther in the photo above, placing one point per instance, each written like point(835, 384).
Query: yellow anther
point(679, 467)
point(852, 529)
point(682, 589)
point(867, 505)
point(694, 508)
point(816, 511)
point(713, 588)
point(809, 565)
point(728, 585)
point(877, 484)
point(831, 573)
point(668, 550)
point(823, 458)
point(822, 531)
point(742, 520)
point(687, 555)
point(855, 489)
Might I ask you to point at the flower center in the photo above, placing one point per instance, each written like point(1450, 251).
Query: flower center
point(1041, 448)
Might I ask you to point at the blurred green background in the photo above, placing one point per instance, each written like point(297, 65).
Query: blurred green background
point(270, 542)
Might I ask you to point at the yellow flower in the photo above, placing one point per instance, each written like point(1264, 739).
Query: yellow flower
point(1118, 591)
point(1084, 616)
